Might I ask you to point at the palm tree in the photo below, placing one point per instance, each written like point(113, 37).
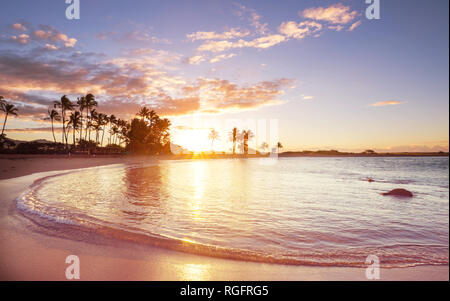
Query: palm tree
point(90, 104)
point(279, 145)
point(65, 105)
point(115, 131)
point(2, 105)
point(2, 101)
point(246, 135)
point(112, 119)
point(234, 135)
point(103, 119)
point(9, 109)
point(81, 102)
point(123, 128)
point(213, 135)
point(91, 123)
point(144, 113)
point(75, 122)
point(264, 146)
point(53, 115)
point(152, 116)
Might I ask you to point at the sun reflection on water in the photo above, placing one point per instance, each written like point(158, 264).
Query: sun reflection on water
point(194, 272)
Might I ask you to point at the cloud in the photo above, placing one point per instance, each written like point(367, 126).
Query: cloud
point(195, 60)
point(262, 42)
point(211, 35)
point(354, 25)
point(57, 129)
point(50, 34)
point(222, 95)
point(267, 41)
point(336, 27)
point(386, 103)
point(253, 17)
point(50, 47)
point(219, 46)
point(336, 14)
point(299, 30)
point(20, 39)
point(222, 57)
point(136, 35)
point(19, 26)
point(124, 83)
point(307, 97)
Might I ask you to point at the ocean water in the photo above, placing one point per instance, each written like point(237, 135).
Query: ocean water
point(301, 211)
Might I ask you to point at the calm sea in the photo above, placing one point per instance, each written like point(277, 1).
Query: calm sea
point(303, 211)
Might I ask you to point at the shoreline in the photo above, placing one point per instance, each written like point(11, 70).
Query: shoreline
point(27, 251)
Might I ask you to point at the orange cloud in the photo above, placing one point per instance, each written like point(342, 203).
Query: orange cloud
point(386, 103)
point(195, 60)
point(336, 14)
point(221, 57)
point(19, 26)
point(21, 39)
point(354, 25)
point(299, 30)
point(48, 33)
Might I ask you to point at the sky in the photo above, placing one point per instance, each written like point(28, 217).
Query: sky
point(330, 77)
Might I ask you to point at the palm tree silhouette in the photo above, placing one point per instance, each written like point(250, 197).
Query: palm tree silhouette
point(81, 102)
point(52, 116)
point(91, 123)
point(152, 117)
point(9, 109)
point(279, 145)
point(90, 104)
point(103, 120)
point(144, 113)
point(2, 101)
point(234, 134)
point(65, 105)
point(111, 119)
point(246, 136)
point(213, 135)
point(74, 122)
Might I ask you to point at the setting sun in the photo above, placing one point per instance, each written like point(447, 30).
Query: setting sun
point(195, 140)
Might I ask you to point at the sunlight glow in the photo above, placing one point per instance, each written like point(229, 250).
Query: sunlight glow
point(195, 140)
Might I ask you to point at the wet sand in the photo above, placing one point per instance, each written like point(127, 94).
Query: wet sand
point(29, 252)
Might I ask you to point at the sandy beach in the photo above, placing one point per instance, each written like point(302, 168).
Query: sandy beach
point(31, 252)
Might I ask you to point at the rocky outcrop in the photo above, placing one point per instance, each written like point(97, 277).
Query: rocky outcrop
point(399, 192)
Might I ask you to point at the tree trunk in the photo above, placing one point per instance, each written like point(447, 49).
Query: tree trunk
point(63, 127)
point(103, 135)
point(53, 132)
point(4, 123)
point(81, 129)
point(87, 123)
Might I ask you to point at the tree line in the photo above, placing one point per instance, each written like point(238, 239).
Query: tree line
point(91, 130)
point(240, 139)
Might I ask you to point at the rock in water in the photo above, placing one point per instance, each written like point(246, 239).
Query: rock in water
point(399, 192)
